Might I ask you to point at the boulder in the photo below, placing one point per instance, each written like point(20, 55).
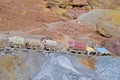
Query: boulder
point(103, 32)
point(110, 23)
point(107, 21)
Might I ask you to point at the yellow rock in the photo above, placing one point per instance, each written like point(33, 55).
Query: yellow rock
point(88, 63)
point(103, 32)
point(114, 15)
point(118, 8)
point(24, 12)
point(108, 24)
point(18, 40)
point(86, 8)
point(60, 11)
point(7, 67)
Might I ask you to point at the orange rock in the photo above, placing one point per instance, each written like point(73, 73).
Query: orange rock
point(90, 63)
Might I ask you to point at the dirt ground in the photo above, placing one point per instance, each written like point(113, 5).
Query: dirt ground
point(32, 17)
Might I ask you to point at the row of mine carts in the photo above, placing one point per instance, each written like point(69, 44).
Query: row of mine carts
point(53, 46)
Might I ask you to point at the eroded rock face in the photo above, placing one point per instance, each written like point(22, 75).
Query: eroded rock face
point(65, 3)
point(58, 3)
point(65, 7)
point(78, 3)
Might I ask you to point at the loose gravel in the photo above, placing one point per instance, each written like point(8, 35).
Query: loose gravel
point(108, 68)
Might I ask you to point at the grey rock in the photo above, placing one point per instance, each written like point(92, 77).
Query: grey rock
point(108, 68)
point(91, 16)
point(61, 66)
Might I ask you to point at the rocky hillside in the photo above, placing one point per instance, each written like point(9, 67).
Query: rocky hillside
point(96, 22)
